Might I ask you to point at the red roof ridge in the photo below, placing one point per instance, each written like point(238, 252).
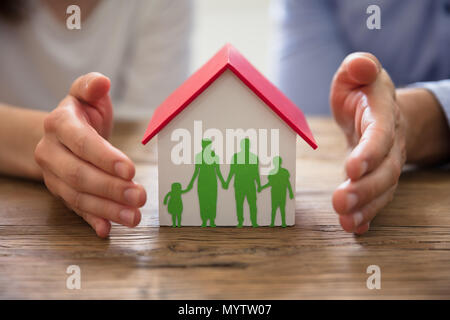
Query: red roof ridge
point(229, 58)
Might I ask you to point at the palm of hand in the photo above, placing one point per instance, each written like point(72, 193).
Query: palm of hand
point(363, 104)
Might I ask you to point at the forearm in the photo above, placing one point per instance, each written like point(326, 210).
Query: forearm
point(166, 198)
point(258, 182)
point(427, 129)
point(194, 176)
point(20, 131)
point(230, 175)
point(290, 189)
point(219, 174)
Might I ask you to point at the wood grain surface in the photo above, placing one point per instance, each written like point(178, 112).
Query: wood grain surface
point(409, 240)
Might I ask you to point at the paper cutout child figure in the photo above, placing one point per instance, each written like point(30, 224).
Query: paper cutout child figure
point(175, 204)
point(279, 183)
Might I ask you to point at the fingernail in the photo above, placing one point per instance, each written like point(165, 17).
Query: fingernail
point(357, 219)
point(121, 170)
point(352, 200)
point(132, 196)
point(127, 217)
point(364, 166)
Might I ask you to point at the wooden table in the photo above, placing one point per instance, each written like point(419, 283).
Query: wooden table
point(409, 241)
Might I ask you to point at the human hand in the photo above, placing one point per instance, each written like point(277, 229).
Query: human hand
point(364, 105)
point(80, 166)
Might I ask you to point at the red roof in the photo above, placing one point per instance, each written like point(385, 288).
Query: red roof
point(229, 58)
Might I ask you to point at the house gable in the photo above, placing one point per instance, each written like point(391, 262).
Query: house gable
point(228, 58)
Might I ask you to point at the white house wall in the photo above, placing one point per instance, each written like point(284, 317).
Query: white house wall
point(225, 104)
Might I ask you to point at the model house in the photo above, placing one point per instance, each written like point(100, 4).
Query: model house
point(227, 148)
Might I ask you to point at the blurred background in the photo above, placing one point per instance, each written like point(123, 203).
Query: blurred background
point(297, 44)
point(250, 30)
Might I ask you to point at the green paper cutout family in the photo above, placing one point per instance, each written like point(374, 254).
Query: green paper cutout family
point(244, 168)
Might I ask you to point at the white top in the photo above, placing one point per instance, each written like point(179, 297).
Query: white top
point(142, 45)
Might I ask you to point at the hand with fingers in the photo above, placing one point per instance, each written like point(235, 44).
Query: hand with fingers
point(363, 102)
point(80, 166)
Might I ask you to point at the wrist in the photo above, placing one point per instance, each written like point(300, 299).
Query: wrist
point(426, 128)
point(20, 131)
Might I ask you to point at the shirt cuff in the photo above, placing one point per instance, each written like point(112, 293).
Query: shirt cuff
point(441, 90)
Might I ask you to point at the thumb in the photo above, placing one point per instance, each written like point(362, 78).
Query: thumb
point(92, 89)
point(358, 69)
